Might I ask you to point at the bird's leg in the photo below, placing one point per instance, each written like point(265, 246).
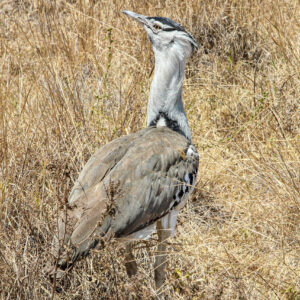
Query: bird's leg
point(160, 258)
point(130, 263)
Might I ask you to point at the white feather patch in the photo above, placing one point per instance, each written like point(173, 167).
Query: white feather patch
point(161, 122)
point(143, 234)
point(169, 221)
point(192, 151)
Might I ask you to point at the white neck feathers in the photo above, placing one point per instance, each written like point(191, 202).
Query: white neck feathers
point(165, 92)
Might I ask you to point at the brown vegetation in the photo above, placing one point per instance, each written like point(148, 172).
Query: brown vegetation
point(76, 74)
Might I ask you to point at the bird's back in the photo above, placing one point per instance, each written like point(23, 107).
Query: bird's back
point(127, 185)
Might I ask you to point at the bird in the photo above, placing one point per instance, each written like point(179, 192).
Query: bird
point(136, 184)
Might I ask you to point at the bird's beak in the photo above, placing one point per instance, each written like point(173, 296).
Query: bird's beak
point(140, 18)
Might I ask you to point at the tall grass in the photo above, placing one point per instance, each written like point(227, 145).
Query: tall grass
point(76, 74)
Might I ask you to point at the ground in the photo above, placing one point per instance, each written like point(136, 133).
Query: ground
point(76, 74)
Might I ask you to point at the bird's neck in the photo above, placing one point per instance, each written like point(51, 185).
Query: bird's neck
point(165, 107)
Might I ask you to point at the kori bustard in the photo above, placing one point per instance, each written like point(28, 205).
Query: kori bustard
point(137, 184)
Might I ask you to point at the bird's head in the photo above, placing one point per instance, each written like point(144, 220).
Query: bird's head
point(165, 34)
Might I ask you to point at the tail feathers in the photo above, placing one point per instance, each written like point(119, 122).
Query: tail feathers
point(75, 249)
point(68, 258)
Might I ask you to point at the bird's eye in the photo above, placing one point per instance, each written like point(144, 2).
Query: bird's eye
point(156, 26)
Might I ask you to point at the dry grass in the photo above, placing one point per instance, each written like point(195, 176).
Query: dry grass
point(76, 74)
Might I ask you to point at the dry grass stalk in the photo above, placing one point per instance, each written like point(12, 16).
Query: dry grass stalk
point(75, 75)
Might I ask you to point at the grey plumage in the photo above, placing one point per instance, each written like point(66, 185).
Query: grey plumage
point(127, 185)
point(137, 180)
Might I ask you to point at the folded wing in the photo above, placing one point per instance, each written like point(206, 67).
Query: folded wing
point(126, 186)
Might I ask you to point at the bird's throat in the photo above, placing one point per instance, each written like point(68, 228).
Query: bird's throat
point(165, 101)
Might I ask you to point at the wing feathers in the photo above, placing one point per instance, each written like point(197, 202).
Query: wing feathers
point(127, 185)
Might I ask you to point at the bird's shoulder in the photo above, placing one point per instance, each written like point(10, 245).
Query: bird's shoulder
point(101, 162)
